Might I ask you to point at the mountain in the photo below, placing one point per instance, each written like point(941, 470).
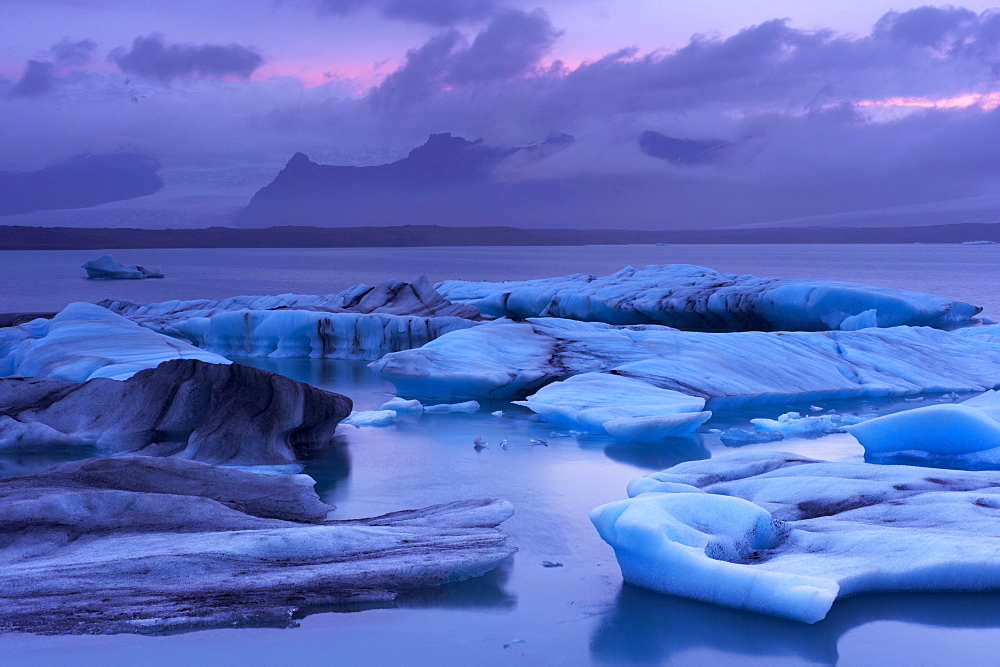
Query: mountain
point(81, 181)
point(444, 181)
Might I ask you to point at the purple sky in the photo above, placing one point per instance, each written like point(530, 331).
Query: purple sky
point(881, 95)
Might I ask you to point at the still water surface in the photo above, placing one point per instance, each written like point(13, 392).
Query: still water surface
point(524, 613)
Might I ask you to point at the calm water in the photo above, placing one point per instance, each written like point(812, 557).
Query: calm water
point(47, 280)
point(524, 613)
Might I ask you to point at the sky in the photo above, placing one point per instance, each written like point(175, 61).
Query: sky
point(896, 99)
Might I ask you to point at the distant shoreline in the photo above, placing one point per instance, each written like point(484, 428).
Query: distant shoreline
point(416, 236)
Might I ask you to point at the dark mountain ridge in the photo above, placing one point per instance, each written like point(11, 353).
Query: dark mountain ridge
point(79, 182)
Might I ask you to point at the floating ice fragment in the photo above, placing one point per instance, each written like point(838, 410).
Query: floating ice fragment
point(787, 535)
point(371, 418)
point(467, 406)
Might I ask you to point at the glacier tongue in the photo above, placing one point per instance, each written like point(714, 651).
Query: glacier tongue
point(700, 299)
point(786, 535)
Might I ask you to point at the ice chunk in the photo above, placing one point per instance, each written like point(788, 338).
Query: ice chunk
point(107, 267)
point(963, 435)
point(978, 242)
point(700, 299)
point(737, 437)
point(371, 418)
point(512, 359)
point(865, 320)
point(786, 535)
point(794, 425)
point(393, 297)
point(362, 322)
point(401, 405)
point(216, 413)
point(466, 406)
point(628, 409)
point(140, 544)
point(85, 341)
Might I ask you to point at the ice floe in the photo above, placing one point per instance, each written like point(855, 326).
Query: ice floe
point(503, 359)
point(363, 322)
point(85, 341)
point(107, 267)
point(963, 435)
point(370, 418)
point(216, 413)
point(629, 409)
point(141, 544)
point(393, 297)
point(787, 535)
point(700, 299)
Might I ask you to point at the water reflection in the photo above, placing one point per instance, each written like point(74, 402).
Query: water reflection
point(330, 466)
point(646, 627)
point(29, 460)
point(659, 455)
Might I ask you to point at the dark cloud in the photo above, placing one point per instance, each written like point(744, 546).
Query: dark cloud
point(67, 53)
point(924, 26)
point(38, 79)
point(768, 123)
point(510, 46)
point(433, 12)
point(150, 57)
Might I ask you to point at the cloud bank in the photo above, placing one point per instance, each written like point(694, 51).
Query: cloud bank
point(805, 121)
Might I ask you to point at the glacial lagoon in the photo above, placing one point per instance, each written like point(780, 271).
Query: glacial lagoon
point(560, 599)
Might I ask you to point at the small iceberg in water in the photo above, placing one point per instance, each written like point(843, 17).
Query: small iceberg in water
point(109, 268)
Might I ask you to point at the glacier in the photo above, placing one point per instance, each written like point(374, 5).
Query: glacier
point(362, 322)
point(786, 535)
point(506, 359)
point(699, 299)
point(957, 435)
point(85, 341)
point(107, 267)
point(147, 545)
point(226, 414)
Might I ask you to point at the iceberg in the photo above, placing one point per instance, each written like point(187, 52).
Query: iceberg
point(699, 299)
point(957, 435)
point(393, 297)
point(107, 267)
point(143, 544)
point(85, 341)
point(441, 408)
point(215, 413)
point(628, 409)
point(794, 425)
point(402, 406)
point(505, 359)
point(362, 322)
point(785, 535)
point(370, 418)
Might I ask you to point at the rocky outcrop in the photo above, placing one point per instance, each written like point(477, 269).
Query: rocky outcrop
point(224, 414)
point(141, 544)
